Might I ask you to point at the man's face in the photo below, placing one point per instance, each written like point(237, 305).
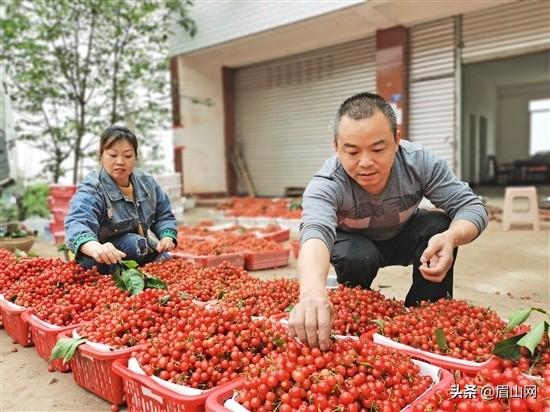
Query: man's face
point(366, 148)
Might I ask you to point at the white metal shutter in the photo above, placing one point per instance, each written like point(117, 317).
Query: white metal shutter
point(432, 87)
point(506, 30)
point(285, 107)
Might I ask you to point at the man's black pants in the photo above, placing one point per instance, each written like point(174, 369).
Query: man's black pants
point(357, 259)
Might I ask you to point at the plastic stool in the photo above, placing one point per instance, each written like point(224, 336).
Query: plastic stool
point(529, 216)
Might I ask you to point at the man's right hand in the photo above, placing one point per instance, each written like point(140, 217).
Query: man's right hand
point(103, 253)
point(311, 321)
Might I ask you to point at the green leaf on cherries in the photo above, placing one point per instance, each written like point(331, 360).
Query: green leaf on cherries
point(163, 300)
point(520, 316)
point(534, 337)
point(19, 253)
point(184, 295)
point(509, 348)
point(279, 342)
point(356, 317)
point(368, 365)
point(441, 339)
point(221, 294)
point(66, 348)
point(131, 281)
point(131, 264)
point(289, 308)
point(380, 324)
point(152, 282)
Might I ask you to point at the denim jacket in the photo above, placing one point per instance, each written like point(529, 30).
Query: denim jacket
point(99, 211)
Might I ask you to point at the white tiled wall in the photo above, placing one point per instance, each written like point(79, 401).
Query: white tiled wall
point(223, 20)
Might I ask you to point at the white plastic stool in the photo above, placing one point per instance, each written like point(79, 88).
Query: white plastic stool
point(529, 216)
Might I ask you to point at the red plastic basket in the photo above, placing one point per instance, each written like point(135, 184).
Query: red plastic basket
point(236, 259)
point(216, 400)
point(92, 370)
point(447, 362)
point(58, 215)
point(16, 327)
point(295, 247)
point(144, 394)
point(282, 318)
point(57, 227)
point(266, 260)
point(45, 336)
point(62, 191)
point(58, 238)
point(278, 236)
point(59, 203)
point(214, 403)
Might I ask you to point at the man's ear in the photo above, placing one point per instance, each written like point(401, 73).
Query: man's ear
point(397, 139)
point(335, 143)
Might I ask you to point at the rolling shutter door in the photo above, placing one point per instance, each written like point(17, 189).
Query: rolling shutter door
point(506, 30)
point(285, 107)
point(432, 87)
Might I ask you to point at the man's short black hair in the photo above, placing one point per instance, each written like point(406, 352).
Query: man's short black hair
point(363, 106)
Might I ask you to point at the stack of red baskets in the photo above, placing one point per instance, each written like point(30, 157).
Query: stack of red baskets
point(58, 203)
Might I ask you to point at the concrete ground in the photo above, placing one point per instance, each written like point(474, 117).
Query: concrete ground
point(503, 270)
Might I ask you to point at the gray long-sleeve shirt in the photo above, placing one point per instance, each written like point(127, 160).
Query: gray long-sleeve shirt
point(333, 199)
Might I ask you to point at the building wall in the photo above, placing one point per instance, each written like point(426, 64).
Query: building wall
point(202, 133)
point(237, 34)
point(481, 82)
point(227, 20)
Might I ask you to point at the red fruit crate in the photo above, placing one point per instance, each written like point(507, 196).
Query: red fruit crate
point(266, 260)
point(145, 394)
point(58, 238)
point(92, 370)
point(62, 191)
point(295, 244)
point(447, 362)
point(58, 215)
point(237, 259)
point(57, 227)
point(59, 203)
point(292, 224)
point(282, 318)
point(45, 336)
point(221, 399)
point(277, 236)
point(16, 327)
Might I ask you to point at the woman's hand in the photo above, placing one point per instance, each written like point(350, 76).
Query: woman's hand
point(166, 244)
point(103, 253)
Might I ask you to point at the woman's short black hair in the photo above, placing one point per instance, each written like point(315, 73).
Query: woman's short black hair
point(115, 133)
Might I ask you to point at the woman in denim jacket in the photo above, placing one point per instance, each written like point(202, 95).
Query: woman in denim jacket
point(114, 208)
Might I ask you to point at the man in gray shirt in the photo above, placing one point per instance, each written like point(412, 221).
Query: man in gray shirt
point(360, 213)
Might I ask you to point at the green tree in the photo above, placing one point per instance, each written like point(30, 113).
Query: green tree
point(77, 66)
point(34, 201)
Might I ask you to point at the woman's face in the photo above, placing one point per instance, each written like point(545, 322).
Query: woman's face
point(119, 161)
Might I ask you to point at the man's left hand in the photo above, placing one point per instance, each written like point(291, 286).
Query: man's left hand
point(437, 259)
point(166, 244)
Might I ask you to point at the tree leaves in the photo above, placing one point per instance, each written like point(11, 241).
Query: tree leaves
point(74, 67)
